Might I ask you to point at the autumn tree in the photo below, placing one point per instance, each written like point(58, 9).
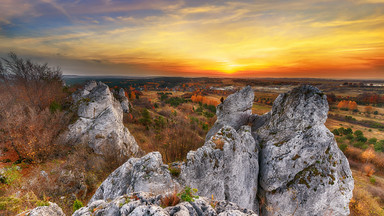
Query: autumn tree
point(31, 95)
point(37, 84)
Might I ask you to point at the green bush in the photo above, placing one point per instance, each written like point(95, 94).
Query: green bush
point(146, 117)
point(188, 194)
point(372, 140)
point(358, 133)
point(336, 132)
point(358, 144)
point(349, 137)
point(362, 139)
point(343, 147)
point(348, 131)
point(379, 146)
point(77, 204)
point(372, 179)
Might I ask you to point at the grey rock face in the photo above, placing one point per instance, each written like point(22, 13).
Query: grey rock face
point(302, 170)
point(225, 167)
point(234, 111)
point(123, 101)
point(147, 174)
point(52, 210)
point(145, 203)
point(100, 122)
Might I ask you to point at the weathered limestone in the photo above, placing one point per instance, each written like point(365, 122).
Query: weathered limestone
point(226, 167)
point(100, 122)
point(302, 170)
point(234, 111)
point(123, 101)
point(52, 210)
point(287, 161)
point(147, 174)
point(145, 203)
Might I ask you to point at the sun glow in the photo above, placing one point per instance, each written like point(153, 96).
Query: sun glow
point(226, 37)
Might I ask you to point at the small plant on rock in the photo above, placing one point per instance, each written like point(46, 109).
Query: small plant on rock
point(188, 194)
point(170, 199)
point(77, 204)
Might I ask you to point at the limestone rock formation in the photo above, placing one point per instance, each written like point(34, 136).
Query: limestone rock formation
point(302, 170)
point(225, 167)
point(145, 203)
point(234, 111)
point(147, 174)
point(123, 101)
point(52, 210)
point(100, 122)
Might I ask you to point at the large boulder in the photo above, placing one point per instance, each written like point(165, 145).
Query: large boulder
point(147, 174)
point(226, 167)
point(145, 203)
point(234, 111)
point(302, 170)
point(100, 122)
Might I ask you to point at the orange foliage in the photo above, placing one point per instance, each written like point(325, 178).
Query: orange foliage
point(196, 98)
point(369, 169)
point(347, 105)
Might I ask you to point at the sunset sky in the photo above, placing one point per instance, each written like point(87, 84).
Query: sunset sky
point(282, 38)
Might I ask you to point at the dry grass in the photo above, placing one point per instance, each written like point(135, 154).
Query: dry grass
point(170, 199)
point(219, 143)
point(367, 198)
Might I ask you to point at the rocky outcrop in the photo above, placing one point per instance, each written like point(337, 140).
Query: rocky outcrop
point(147, 174)
point(226, 167)
point(100, 122)
point(144, 203)
point(124, 101)
point(52, 210)
point(302, 170)
point(234, 111)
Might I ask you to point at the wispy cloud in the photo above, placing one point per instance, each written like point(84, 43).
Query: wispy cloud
point(167, 36)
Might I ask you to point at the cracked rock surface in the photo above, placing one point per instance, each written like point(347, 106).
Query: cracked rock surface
point(100, 122)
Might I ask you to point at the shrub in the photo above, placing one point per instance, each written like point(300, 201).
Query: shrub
point(362, 139)
point(336, 132)
point(348, 131)
point(379, 146)
point(146, 117)
point(77, 204)
point(349, 137)
point(358, 133)
point(343, 147)
point(372, 179)
point(188, 194)
point(369, 169)
point(170, 199)
point(372, 140)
